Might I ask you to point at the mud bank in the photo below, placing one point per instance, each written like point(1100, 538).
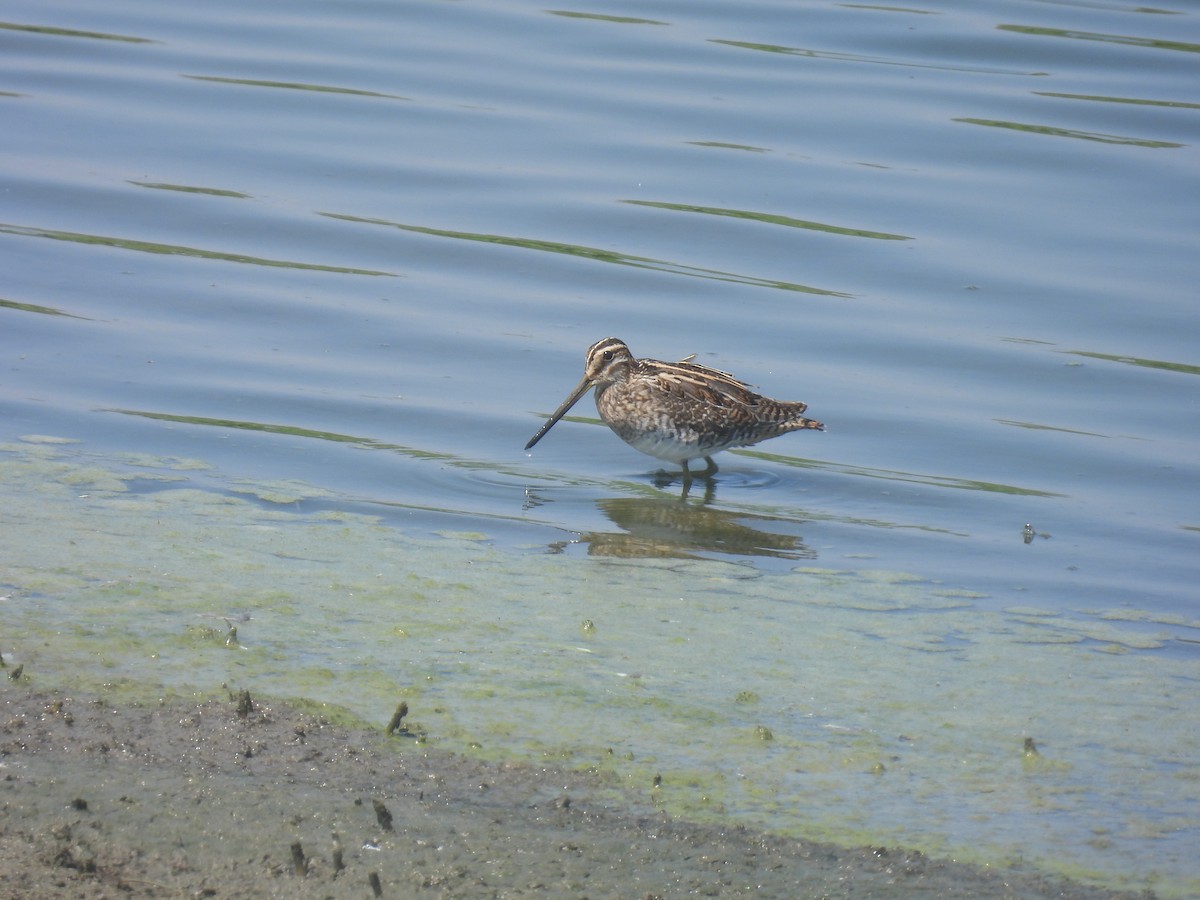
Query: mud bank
point(248, 799)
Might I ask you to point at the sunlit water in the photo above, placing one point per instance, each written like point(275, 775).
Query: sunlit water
point(288, 289)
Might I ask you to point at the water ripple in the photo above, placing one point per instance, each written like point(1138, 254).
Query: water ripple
point(1054, 131)
point(1128, 40)
point(594, 253)
point(770, 219)
point(860, 58)
point(177, 250)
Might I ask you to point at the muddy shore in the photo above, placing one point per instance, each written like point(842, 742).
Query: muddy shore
point(255, 799)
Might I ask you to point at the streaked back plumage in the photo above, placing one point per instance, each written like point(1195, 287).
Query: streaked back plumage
point(678, 411)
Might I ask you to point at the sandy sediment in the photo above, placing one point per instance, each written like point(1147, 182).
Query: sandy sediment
point(246, 799)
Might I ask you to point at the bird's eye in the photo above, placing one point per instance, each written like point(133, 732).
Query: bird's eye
point(608, 354)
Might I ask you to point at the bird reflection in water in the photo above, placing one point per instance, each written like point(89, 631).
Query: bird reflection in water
point(660, 527)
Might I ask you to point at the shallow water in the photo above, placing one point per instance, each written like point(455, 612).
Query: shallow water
point(329, 266)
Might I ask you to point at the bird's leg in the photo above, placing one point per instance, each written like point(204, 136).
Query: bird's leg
point(707, 474)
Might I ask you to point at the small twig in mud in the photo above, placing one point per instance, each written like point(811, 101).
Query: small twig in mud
point(338, 865)
point(382, 815)
point(244, 704)
point(400, 713)
point(298, 859)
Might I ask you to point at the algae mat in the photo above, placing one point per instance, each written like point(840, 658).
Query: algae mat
point(850, 706)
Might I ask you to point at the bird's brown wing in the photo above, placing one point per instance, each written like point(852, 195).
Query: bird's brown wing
point(710, 386)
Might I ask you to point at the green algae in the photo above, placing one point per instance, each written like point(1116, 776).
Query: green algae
point(895, 709)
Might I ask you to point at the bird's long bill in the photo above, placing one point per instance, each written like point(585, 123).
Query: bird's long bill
point(571, 400)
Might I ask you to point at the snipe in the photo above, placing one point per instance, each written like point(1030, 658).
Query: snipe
point(677, 411)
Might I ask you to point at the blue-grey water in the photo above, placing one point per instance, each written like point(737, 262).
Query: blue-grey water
point(309, 274)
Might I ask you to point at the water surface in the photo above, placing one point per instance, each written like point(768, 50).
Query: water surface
point(313, 275)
